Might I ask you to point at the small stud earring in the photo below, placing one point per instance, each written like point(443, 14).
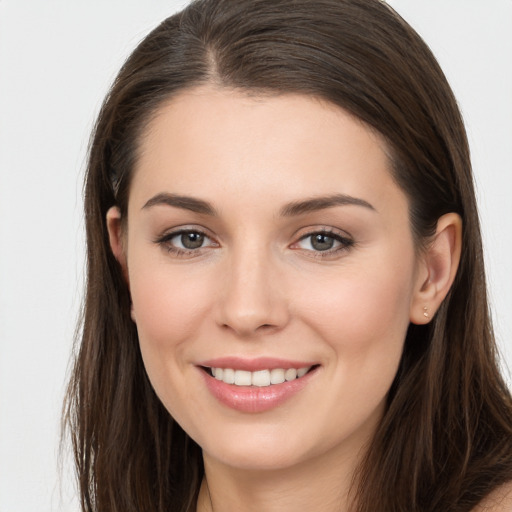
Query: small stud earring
point(425, 312)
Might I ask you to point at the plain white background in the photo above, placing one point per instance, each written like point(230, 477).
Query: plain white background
point(57, 59)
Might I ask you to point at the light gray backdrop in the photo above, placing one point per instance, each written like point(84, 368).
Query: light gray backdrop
point(57, 59)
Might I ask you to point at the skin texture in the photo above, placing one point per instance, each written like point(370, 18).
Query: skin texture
point(258, 287)
point(499, 500)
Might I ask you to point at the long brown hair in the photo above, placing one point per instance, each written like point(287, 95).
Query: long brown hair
point(445, 440)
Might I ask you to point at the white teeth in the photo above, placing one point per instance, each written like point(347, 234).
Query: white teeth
point(277, 376)
point(228, 376)
point(260, 378)
point(290, 374)
point(301, 372)
point(243, 378)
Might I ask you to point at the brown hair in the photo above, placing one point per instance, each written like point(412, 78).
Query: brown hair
point(445, 440)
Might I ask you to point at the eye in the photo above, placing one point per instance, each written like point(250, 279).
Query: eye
point(318, 242)
point(326, 242)
point(185, 241)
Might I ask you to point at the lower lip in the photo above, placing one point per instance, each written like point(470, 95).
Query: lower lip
point(253, 399)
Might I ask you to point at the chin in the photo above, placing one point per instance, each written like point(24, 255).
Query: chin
point(263, 447)
point(250, 456)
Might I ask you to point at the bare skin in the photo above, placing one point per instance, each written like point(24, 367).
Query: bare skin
point(500, 500)
point(271, 227)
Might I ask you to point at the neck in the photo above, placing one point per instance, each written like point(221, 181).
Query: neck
point(323, 483)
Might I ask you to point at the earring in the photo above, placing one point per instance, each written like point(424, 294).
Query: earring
point(425, 312)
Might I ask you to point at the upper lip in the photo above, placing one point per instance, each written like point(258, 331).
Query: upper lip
point(256, 364)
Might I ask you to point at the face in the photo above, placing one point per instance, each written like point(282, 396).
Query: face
point(272, 272)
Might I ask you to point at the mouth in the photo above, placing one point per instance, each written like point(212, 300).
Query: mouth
point(260, 378)
point(257, 385)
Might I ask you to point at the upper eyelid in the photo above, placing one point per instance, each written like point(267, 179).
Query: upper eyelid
point(328, 230)
point(178, 230)
point(333, 232)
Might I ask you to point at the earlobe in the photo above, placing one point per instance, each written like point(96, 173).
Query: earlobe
point(115, 234)
point(438, 269)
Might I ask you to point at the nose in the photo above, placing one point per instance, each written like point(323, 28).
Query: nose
point(252, 294)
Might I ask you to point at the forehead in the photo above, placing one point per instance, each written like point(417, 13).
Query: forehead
point(281, 146)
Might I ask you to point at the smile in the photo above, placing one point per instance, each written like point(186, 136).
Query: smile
point(260, 378)
point(256, 386)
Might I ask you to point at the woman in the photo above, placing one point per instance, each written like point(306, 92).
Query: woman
point(286, 300)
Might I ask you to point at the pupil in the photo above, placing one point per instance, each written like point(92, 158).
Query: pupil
point(192, 240)
point(322, 242)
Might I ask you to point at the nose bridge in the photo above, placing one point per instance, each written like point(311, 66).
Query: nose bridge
point(252, 298)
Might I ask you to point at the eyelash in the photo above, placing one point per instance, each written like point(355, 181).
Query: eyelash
point(165, 241)
point(345, 243)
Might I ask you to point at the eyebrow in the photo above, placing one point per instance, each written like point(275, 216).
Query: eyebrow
point(289, 210)
point(184, 202)
point(322, 203)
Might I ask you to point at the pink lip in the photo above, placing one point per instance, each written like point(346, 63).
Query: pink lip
point(252, 399)
point(253, 365)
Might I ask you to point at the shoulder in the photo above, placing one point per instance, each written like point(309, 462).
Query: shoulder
point(499, 500)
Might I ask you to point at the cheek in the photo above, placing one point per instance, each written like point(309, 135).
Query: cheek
point(364, 321)
point(370, 307)
point(363, 317)
point(168, 308)
point(167, 305)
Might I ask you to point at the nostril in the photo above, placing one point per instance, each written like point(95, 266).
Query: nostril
point(267, 328)
point(247, 330)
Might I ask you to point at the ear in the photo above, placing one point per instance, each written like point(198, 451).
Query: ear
point(116, 238)
point(437, 269)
